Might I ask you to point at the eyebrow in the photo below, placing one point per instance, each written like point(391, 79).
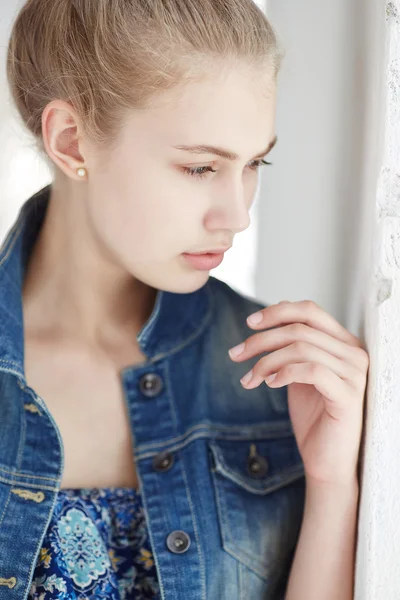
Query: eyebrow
point(229, 155)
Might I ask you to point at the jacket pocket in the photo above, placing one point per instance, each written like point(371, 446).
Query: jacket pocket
point(259, 490)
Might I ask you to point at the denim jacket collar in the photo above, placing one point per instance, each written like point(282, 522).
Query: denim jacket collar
point(176, 319)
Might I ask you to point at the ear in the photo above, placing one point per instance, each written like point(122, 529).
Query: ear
point(61, 137)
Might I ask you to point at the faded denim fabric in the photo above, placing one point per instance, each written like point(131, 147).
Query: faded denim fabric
point(220, 473)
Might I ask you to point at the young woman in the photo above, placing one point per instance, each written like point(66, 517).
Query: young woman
point(146, 449)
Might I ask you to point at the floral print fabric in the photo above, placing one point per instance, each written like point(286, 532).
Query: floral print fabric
point(96, 546)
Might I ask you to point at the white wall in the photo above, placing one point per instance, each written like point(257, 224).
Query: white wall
point(378, 572)
point(312, 197)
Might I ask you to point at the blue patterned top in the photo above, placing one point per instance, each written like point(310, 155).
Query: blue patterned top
point(96, 546)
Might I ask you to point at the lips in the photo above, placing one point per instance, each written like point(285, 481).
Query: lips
point(207, 252)
point(218, 251)
point(204, 261)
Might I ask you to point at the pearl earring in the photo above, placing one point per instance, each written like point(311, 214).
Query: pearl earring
point(81, 172)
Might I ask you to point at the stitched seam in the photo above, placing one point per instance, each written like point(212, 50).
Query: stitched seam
point(21, 438)
point(240, 583)
point(169, 396)
point(145, 335)
point(152, 542)
point(55, 427)
point(9, 362)
point(263, 430)
point(5, 507)
point(196, 533)
point(13, 482)
point(241, 579)
point(18, 373)
point(14, 474)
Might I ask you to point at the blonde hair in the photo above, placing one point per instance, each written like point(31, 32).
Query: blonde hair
point(105, 57)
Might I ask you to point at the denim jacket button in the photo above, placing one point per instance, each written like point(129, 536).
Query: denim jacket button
point(151, 385)
point(178, 542)
point(257, 466)
point(163, 461)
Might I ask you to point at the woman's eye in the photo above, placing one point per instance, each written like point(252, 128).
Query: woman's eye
point(201, 172)
point(198, 172)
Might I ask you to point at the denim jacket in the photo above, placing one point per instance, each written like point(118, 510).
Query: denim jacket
point(219, 469)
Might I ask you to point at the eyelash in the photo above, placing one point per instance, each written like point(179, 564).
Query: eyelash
point(193, 171)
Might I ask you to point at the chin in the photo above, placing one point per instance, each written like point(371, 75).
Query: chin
point(186, 283)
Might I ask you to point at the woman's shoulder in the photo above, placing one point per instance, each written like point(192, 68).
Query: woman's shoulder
point(230, 302)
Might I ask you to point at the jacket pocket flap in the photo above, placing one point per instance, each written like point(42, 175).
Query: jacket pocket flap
point(260, 466)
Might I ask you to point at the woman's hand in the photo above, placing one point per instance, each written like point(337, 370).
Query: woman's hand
point(325, 368)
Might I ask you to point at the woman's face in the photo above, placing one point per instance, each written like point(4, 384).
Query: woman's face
point(144, 205)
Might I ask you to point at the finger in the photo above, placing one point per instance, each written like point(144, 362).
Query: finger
point(337, 394)
point(300, 352)
point(307, 312)
point(273, 339)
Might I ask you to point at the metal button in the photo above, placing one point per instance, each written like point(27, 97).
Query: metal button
point(257, 465)
point(163, 461)
point(178, 542)
point(151, 385)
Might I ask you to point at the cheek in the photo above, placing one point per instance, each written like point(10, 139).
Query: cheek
point(134, 227)
point(142, 211)
point(150, 230)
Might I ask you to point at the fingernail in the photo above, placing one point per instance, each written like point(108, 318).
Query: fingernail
point(255, 318)
point(270, 378)
point(236, 350)
point(247, 378)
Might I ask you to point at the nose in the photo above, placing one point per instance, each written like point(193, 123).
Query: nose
point(231, 210)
